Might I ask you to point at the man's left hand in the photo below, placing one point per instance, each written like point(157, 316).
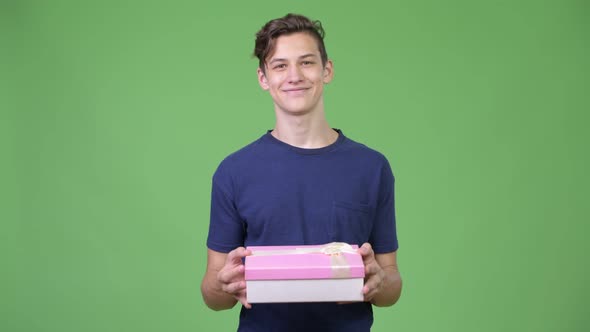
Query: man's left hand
point(374, 274)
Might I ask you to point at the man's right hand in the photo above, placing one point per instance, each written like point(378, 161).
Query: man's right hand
point(231, 276)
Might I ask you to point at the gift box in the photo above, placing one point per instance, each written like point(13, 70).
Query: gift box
point(332, 272)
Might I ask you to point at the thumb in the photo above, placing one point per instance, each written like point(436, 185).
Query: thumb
point(236, 255)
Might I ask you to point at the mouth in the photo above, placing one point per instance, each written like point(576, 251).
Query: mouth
point(295, 89)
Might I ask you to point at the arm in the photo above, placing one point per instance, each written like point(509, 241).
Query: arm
point(223, 284)
point(383, 283)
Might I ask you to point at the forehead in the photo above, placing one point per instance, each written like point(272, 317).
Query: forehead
point(294, 46)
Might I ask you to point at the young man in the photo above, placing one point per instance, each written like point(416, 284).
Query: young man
point(301, 183)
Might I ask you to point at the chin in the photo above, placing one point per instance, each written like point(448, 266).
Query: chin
point(297, 110)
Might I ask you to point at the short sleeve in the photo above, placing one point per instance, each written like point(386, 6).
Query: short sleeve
point(226, 228)
point(383, 237)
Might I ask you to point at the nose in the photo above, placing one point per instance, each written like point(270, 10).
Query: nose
point(295, 74)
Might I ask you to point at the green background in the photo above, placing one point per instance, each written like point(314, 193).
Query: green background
point(115, 114)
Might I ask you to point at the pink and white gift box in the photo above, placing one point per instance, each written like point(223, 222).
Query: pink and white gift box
point(332, 272)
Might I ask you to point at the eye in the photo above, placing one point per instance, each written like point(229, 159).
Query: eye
point(280, 66)
point(307, 63)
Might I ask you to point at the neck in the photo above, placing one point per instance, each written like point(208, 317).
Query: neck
point(308, 131)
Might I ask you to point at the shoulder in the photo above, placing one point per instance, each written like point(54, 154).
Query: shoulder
point(366, 160)
point(239, 159)
point(368, 155)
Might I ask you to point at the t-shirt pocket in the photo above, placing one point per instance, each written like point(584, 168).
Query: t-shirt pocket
point(351, 222)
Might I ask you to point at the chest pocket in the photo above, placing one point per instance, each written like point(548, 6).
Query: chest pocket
point(351, 222)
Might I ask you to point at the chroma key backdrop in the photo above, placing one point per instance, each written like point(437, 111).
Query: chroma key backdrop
point(115, 114)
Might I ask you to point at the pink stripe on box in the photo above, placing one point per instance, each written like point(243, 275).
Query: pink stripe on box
point(289, 266)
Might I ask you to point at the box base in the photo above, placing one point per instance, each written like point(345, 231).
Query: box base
point(312, 290)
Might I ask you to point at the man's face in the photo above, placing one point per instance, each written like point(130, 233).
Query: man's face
point(294, 75)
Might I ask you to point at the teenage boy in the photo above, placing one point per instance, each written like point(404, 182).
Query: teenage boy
point(300, 183)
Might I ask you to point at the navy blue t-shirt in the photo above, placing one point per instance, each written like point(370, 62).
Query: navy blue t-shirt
point(272, 193)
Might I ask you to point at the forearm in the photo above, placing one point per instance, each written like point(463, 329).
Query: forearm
point(214, 297)
point(390, 289)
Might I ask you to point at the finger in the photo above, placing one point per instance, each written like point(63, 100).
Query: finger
point(372, 268)
point(234, 288)
point(369, 295)
point(235, 256)
point(366, 251)
point(372, 284)
point(370, 290)
point(243, 300)
point(231, 273)
point(366, 248)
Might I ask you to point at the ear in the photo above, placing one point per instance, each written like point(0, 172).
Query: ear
point(328, 72)
point(262, 79)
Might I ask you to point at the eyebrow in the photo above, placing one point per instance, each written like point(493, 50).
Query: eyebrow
point(308, 55)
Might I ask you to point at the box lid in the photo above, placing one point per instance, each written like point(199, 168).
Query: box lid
point(329, 261)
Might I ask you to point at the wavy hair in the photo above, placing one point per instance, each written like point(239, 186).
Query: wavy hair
point(289, 24)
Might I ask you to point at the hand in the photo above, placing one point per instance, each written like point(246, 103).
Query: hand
point(231, 276)
point(374, 274)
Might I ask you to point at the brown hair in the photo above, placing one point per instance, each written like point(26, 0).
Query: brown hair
point(289, 24)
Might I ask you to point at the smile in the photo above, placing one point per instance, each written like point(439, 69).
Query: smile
point(295, 90)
